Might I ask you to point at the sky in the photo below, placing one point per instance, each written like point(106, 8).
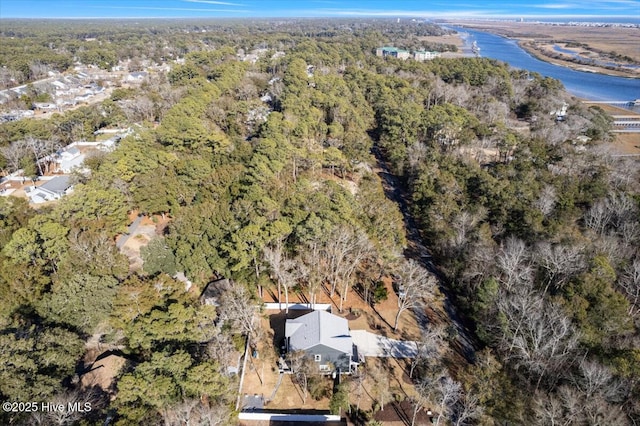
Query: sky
point(593, 9)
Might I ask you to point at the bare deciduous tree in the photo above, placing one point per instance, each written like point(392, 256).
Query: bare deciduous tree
point(444, 392)
point(357, 386)
point(360, 249)
point(420, 399)
point(197, 412)
point(14, 153)
point(463, 224)
point(238, 308)
point(417, 285)
point(622, 208)
point(302, 367)
point(547, 200)
point(141, 108)
point(598, 217)
point(466, 410)
point(275, 257)
point(428, 347)
point(416, 155)
point(220, 348)
point(74, 404)
point(314, 276)
point(514, 262)
point(591, 401)
point(560, 262)
point(544, 342)
point(629, 283)
point(381, 390)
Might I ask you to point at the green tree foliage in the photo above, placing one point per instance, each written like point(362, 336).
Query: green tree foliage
point(164, 326)
point(473, 71)
point(599, 310)
point(14, 214)
point(94, 207)
point(155, 316)
point(448, 125)
point(158, 257)
point(183, 73)
point(35, 359)
point(340, 399)
point(238, 177)
point(81, 301)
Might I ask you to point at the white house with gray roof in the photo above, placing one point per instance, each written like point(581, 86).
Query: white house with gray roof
point(325, 337)
point(52, 189)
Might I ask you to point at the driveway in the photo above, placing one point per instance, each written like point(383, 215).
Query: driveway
point(370, 344)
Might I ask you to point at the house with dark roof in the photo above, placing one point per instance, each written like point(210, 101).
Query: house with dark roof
point(325, 338)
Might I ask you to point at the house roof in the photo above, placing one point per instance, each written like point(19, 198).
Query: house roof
point(57, 185)
point(319, 328)
point(67, 164)
point(73, 150)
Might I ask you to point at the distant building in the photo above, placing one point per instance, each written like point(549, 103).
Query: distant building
point(137, 76)
point(425, 55)
point(59, 85)
point(393, 52)
point(45, 106)
point(418, 55)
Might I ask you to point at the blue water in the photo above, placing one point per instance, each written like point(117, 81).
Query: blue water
point(562, 50)
point(591, 86)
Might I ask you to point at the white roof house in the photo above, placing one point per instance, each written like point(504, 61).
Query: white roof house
point(137, 76)
point(59, 85)
point(69, 159)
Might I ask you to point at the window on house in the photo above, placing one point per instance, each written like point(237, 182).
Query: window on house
point(317, 358)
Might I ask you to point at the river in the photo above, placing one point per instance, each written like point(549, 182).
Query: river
point(586, 85)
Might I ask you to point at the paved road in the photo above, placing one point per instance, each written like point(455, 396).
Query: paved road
point(370, 344)
point(466, 342)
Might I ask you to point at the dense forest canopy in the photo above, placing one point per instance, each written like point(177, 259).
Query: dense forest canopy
point(269, 174)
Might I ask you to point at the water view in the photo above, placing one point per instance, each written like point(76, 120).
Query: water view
point(587, 85)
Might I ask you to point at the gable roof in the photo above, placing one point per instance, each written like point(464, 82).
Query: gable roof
point(57, 185)
point(319, 328)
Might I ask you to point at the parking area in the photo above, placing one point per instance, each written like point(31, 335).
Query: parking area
point(370, 344)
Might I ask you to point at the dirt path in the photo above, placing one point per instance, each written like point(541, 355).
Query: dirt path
point(466, 343)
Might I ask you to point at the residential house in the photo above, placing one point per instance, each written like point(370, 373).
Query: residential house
point(42, 106)
point(59, 85)
point(137, 76)
point(51, 190)
point(69, 159)
point(325, 337)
